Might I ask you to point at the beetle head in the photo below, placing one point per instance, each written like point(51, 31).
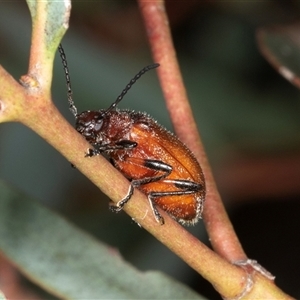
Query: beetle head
point(90, 124)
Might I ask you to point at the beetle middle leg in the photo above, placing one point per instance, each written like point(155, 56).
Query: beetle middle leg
point(152, 164)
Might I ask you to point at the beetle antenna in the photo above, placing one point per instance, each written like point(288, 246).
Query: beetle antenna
point(130, 84)
point(72, 106)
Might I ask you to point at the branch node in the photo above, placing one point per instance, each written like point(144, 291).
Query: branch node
point(247, 288)
point(29, 81)
point(255, 266)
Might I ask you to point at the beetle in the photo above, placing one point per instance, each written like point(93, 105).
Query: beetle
point(152, 158)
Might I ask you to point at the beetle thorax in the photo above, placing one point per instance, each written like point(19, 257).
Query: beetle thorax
point(100, 127)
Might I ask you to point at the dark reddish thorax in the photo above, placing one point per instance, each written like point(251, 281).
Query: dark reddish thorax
point(152, 158)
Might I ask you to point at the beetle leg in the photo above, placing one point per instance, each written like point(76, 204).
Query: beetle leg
point(121, 203)
point(156, 165)
point(126, 144)
point(119, 206)
point(120, 145)
point(151, 164)
point(159, 219)
point(92, 152)
point(188, 187)
point(185, 185)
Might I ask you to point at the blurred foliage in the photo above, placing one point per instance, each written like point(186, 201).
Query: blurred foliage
point(70, 263)
point(280, 46)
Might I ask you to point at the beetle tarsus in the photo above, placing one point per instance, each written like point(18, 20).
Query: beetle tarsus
point(159, 219)
point(92, 152)
point(120, 205)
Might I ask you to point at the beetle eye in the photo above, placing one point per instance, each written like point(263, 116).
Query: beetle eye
point(89, 129)
point(98, 125)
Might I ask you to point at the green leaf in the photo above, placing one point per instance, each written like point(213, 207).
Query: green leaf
point(70, 263)
point(2, 297)
point(32, 4)
point(50, 19)
point(280, 46)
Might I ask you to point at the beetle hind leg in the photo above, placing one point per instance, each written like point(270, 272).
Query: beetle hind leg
point(159, 219)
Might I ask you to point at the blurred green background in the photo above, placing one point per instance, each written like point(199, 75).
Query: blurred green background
point(248, 117)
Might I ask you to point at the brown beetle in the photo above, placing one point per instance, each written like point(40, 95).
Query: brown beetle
point(152, 158)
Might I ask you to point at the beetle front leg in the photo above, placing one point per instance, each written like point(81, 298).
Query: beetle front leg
point(120, 145)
